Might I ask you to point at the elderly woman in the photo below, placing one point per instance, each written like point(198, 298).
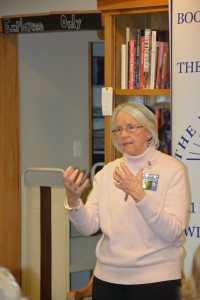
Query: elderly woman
point(140, 202)
point(9, 288)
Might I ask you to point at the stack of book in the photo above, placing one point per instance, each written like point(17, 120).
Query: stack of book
point(145, 59)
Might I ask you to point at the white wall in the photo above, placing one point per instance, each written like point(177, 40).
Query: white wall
point(54, 98)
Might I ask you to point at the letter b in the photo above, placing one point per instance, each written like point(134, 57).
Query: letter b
point(180, 18)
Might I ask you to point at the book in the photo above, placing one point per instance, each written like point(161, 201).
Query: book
point(141, 76)
point(123, 66)
point(149, 48)
point(131, 64)
point(164, 66)
point(157, 116)
point(137, 59)
point(163, 126)
point(163, 36)
point(147, 56)
point(153, 59)
point(167, 76)
point(164, 131)
point(131, 34)
point(160, 49)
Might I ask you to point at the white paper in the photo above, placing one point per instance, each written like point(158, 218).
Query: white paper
point(107, 101)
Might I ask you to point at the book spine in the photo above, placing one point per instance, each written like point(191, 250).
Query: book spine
point(164, 131)
point(131, 65)
point(157, 116)
point(167, 76)
point(142, 62)
point(164, 65)
point(153, 59)
point(159, 63)
point(147, 55)
point(123, 66)
point(137, 59)
point(133, 34)
point(127, 55)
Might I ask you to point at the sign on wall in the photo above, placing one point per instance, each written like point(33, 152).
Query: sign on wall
point(185, 67)
point(52, 22)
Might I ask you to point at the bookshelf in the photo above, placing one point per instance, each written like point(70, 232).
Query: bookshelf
point(116, 17)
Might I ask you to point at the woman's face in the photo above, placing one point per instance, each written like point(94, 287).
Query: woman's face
point(131, 143)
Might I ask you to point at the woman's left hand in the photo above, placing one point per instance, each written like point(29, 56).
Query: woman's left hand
point(125, 180)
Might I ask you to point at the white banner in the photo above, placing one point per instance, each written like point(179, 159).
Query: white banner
point(185, 81)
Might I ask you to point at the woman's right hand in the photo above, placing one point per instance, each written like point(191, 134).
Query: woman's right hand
point(72, 179)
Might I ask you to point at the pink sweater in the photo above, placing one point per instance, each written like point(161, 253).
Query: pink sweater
point(141, 243)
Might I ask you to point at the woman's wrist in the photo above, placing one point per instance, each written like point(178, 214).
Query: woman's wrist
point(140, 197)
point(72, 205)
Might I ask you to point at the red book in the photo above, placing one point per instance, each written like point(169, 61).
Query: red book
point(137, 60)
point(142, 62)
point(131, 45)
point(160, 48)
point(164, 66)
point(131, 34)
point(157, 115)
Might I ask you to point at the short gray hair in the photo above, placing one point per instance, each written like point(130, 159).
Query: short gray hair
point(9, 288)
point(142, 115)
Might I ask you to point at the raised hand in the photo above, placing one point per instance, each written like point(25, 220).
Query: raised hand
point(125, 180)
point(72, 179)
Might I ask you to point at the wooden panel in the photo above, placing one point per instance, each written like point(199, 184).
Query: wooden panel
point(128, 4)
point(45, 241)
point(109, 80)
point(9, 156)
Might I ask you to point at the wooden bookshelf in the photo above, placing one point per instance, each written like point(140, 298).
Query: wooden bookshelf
point(106, 5)
point(144, 92)
point(116, 16)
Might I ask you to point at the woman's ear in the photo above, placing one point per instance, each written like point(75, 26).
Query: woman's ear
point(148, 136)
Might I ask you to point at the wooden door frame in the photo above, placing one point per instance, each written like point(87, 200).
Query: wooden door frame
point(9, 155)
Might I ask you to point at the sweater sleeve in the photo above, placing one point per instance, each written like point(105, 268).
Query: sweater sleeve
point(167, 219)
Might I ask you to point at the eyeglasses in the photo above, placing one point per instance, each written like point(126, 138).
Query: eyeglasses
point(129, 129)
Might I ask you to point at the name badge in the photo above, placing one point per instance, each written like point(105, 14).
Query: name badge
point(150, 181)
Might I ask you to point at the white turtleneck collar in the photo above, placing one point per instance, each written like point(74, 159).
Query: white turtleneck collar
point(142, 160)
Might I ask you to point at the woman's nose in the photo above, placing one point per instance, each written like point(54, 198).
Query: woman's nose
point(124, 132)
